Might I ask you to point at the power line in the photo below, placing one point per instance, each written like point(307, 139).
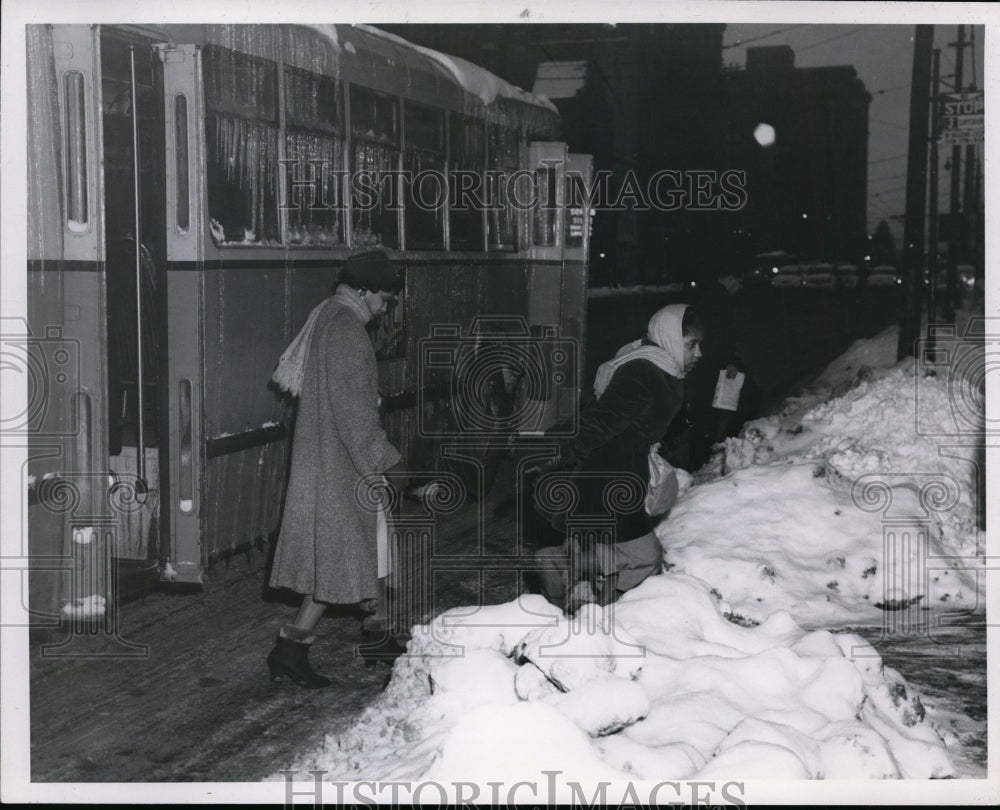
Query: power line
point(889, 123)
point(741, 42)
point(972, 46)
point(885, 179)
point(891, 89)
point(831, 39)
point(947, 56)
point(885, 159)
point(888, 191)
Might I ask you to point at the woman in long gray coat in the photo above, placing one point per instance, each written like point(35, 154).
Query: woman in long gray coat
point(327, 547)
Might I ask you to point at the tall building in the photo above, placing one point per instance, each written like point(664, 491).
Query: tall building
point(807, 192)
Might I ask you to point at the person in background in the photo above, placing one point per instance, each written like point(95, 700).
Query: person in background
point(716, 300)
point(638, 394)
point(332, 548)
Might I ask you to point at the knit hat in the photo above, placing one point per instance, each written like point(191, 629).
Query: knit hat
point(371, 270)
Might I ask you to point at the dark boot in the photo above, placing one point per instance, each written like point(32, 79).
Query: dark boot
point(290, 657)
point(387, 650)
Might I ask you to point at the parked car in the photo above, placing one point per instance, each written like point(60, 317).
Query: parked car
point(847, 275)
point(819, 275)
point(767, 265)
point(966, 275)
point(882, 275)
point(787, 275)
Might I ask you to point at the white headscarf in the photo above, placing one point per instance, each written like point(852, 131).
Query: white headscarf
point(291, 369)
point(666, 332)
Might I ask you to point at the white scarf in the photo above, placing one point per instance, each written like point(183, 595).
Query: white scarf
point(291, 369)
point(667, 354)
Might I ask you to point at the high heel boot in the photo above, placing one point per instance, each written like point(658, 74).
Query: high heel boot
point(290, 657)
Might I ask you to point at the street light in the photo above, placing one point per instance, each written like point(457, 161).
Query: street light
point(764, 134)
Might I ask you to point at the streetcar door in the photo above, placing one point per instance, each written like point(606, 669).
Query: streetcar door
point(183, 390)
point(133, 204)
point(559, 239)
point(577, 228)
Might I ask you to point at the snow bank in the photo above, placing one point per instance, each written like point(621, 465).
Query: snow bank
point(838, 508)
point(659, 685)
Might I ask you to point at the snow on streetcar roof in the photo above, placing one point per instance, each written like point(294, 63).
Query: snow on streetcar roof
point(470, 77)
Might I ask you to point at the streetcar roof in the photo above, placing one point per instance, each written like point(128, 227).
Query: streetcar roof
point(365, 55)
point(472, 78)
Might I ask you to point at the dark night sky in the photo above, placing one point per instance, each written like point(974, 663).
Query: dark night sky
point(883, 57)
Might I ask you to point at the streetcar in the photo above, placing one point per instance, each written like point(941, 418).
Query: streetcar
point(193, 190)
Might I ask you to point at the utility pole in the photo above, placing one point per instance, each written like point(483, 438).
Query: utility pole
point(932, 241)
point(951, 301)
point(916, 190)
point(969, 197)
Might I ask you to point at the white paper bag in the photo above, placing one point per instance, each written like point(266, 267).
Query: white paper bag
point(727, 391)
point(382, 543)
point(661, 494)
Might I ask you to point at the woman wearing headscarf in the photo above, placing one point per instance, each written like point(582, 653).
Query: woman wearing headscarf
point(333, 547)
point(638, 393)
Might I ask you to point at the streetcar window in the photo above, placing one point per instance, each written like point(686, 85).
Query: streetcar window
point(312, 101)
point(181, 162)
point(374, 153)
point(502, 162)
point(576, 221)
point(467, 162)
point(76, 150)
point(242, 147)
point(314, 159)
point(240, 84)
point(544, 213)
point(426, 187)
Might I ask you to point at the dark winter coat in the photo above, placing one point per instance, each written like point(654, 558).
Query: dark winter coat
point(326, 546)
point(613, 441)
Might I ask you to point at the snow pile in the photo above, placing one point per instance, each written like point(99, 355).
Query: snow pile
point(86, 607)
point(836, 510)
point(659, 685)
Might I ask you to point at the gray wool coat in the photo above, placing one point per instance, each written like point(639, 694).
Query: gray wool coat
point(326, 546)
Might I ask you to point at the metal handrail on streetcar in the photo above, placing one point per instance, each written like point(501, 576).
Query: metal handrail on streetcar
point(140, 426)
